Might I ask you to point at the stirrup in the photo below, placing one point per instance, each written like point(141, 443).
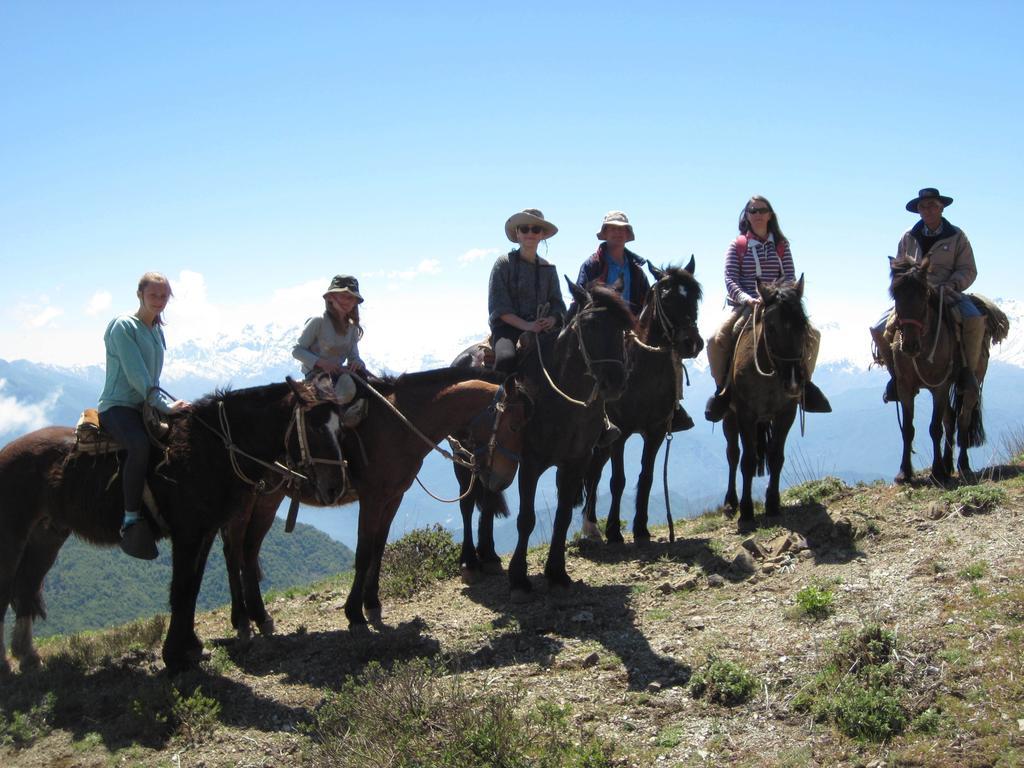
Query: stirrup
point(717, 407)
point(681, 420)
point(815, 400)
point(890, 395)
point(354, 414)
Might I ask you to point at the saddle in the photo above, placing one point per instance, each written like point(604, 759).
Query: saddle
point(91, 440)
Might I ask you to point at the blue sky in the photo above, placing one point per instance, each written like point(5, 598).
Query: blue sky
point(250, 151)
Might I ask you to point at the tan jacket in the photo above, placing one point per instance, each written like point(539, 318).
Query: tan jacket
point(951, 258)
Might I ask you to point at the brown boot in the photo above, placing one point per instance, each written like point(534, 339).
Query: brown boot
point(815, 400)
point(972, 337)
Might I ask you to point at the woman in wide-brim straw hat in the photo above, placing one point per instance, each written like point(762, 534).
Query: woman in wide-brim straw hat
point(522, 283)
point(330, 342)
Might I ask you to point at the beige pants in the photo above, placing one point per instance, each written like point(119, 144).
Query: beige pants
point(721, 345)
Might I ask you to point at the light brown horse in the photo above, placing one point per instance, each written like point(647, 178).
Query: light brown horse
point(46, 494)
point(438, 403)
point(768, 378)
point(926, 355)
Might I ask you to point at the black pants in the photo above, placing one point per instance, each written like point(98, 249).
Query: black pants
point(503, 342)
point(125, 424)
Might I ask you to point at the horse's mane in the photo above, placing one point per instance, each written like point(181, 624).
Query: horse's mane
point(787, 295)
point(680, 275)
point(609, 299)
point(387, 384)
point(903, 270)
point(259, 396)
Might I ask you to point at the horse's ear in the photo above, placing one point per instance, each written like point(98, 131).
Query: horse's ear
point(656, 273)
point(892, 261)
point(925, 263)
point(578, 293)
point(692, 265)
point(300, 389)
point(800, 286)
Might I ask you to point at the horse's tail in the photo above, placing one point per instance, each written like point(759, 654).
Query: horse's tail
point(764, 436)
point(491, 502)
point(976, 427)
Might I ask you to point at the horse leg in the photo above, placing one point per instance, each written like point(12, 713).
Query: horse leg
point(732, 455)
point(12, 549)
point(568, 481)
point(906, 472)
point(652, 443)
point(590, 484)
point(616, 485)
point(776, 459)
point(232, 535)
point(935, 430)
point(492, 503)
point(182, 647)
point(469, 564)
point(748, 468)
point(968, 410)
point(368, 507)
point(260, 523)
point(371, 589)
point(949, 424)
point(519, 583)
point(27, 600)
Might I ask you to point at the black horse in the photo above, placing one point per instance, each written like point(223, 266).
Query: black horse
point(570, 378)
point(230, 440)
point(768, 376)
point(666, 332)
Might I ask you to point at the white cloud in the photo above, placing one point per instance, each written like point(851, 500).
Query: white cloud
point(98, 302)
point(41, 315)
point(18, 417)
point(476, 254)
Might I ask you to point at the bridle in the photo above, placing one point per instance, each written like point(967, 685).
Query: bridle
point(668, 328)
point(589, 361)
point(767, 346)
point(497, 408)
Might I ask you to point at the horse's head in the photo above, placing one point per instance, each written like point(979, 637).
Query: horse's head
point(669, 316)
point(498, 434)
point(600, 319)
point(908, 286)
point(784, 330)
point(312, 443)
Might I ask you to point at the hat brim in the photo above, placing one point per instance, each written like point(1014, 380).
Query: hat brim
point(359, 299)
point(631, 238)
point(517, 219)
point(912, 205)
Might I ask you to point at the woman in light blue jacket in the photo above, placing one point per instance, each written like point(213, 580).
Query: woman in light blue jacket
point(135, 358)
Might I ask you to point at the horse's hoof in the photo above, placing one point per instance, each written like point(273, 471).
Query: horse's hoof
point(373, 616)
point(29, 662)
point(590, 531)
point(492, 567)
point(521, 596)
point(470, 576)
point(746, 525)
point(902, 478)
point(243, 635)
point(362, 629)
point(560, 591)
point(729, 510)
point(641, 539)
point(267, 627)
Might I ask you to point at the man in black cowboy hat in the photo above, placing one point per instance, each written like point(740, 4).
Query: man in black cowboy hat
point(951, 267)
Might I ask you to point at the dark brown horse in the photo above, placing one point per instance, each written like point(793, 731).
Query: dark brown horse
point(921, 329)
point(437, 403)
point(229, 440)
point(767, 383)
point(666, 332)
point(570, 378)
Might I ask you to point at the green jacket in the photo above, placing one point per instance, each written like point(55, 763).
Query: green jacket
point(135, 358)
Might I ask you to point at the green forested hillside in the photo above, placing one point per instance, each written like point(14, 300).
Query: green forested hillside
point(90, 587)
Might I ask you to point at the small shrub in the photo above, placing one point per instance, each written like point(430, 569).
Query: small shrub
point(220, 661)
point(87, 649)
point(974, 499)
point(814, 492)
point(815, 601)
point(858, 689)
point(414, 715)
point(196, 715)
point(723, 682)
point(928, 722)
point(419, 558)
point(24, 728)
point(974, 571)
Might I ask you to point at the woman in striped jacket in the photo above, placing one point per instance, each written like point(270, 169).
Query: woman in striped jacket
point(761, 252)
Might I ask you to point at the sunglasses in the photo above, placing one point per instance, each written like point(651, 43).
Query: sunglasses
point(759, 210)
point(524, 228)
